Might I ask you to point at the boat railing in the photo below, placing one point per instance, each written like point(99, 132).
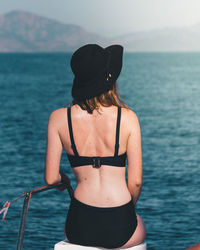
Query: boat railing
point(64, 184)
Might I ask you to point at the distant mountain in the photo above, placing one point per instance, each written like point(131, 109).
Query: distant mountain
point(28, 32)
point(166, 39)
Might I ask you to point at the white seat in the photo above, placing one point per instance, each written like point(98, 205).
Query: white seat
point(65, 245)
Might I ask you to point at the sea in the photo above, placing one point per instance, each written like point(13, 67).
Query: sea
point(163, 89)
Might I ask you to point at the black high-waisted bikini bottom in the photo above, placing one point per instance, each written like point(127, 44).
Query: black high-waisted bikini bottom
point(109, 227)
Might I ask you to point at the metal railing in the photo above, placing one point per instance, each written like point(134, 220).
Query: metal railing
point(64, 184)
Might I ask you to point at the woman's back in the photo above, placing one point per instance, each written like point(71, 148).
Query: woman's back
point(95, 135)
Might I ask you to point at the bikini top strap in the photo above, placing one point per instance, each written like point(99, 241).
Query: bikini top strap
point(117, 131)
point(71, 131)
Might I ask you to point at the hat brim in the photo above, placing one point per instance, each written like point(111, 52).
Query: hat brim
point(105, 80)
point(116, 56)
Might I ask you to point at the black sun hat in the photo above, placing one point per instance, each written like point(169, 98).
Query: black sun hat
point(95, 70)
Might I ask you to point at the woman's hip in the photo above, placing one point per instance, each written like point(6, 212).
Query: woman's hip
point(90, 225)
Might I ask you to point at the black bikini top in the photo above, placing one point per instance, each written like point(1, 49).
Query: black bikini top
point(76, 160)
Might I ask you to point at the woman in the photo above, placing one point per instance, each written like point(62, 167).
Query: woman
point(98, 133)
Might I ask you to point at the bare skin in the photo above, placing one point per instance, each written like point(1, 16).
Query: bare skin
point(195, 247)
point(94, 135)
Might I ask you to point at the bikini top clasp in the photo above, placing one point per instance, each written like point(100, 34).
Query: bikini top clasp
point(96, 162)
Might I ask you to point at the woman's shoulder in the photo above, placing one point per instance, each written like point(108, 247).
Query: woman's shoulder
point(57, 115)
point(130, 121)
point(58, 112)
point(129, 115)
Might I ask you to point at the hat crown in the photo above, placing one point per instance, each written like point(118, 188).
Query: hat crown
point(88, 61)
point(96, 69)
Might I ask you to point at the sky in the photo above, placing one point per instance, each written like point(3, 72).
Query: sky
point(113, 17)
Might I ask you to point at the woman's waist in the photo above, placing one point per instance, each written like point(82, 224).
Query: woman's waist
point(102, 196)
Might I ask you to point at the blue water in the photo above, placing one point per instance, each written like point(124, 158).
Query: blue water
point(163, 90)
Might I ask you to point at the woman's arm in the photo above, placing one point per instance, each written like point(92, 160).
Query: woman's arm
point(134, 156)
point(53, 151)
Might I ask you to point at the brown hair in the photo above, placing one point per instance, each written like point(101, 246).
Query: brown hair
point(109, 98)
